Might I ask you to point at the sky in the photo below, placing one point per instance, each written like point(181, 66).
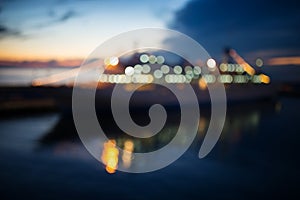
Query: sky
point(255, 28)
point(56, 31)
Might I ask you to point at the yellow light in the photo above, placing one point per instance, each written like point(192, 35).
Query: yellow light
point(242, 62)
point(107, 61)
point(202, 84)
point(223, 67)
point(264, 78)
point(110, 156)
point(248, 69)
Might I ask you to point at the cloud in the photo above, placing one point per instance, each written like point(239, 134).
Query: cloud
point(7, 32)
point(9, 29)
point(245, 25)
point(66, 16)
point(54, 19)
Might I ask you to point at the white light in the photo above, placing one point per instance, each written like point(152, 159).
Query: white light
point(152, 59)
point(188, 68)
point(174, 78)
point(142, 78)
point(160, 59)
point(129, 71)
point(165, 69)
point(211, 63)
point(138, 69)
point(259, 62)
point(177, 69)
point(146, 69)
point(197, 70)
point(209, 78)
point(241, 79)
point(158, 74)
point(231, 67)
point(189, 76)
point(103, 78)
point(225, 78)
point(239, 69)
point(111, 78)
point(114, 61)
point(144, 58)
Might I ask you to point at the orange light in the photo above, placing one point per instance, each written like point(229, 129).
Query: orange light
point(247, 68)
point(202, 84)
point(285, 61)
point(264, 78)
point(110, 156)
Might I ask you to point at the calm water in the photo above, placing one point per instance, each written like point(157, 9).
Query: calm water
point(256, 157)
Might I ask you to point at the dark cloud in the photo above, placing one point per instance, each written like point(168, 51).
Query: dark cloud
point(2, 29)
point(7, 32)
point(245, 25)
point(66, 16)
point(57, 19)
point(52, 19)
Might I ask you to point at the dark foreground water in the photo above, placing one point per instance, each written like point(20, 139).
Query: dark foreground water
point(257, 157)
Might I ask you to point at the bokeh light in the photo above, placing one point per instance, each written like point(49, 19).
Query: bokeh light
point(211, 63)
point(129, 71)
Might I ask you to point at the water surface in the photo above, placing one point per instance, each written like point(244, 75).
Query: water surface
point(256, 157)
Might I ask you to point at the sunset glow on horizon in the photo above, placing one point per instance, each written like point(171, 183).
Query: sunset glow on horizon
point(68, 31)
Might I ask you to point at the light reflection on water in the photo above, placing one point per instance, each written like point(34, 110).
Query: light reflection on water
point(110, 156)
point(247, 154)
point(239, 121)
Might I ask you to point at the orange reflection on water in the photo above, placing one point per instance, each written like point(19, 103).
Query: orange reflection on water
point(110, 156)
point(127, 153)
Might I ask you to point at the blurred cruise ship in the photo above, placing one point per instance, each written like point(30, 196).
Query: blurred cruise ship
point(139, 72)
